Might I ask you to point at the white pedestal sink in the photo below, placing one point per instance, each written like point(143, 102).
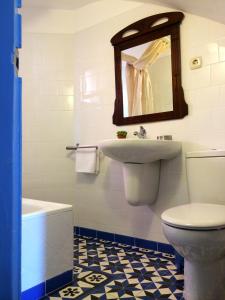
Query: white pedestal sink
point(141, 165)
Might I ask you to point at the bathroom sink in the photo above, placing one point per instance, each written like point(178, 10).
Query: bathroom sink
point(141, 165)
point(139, 150)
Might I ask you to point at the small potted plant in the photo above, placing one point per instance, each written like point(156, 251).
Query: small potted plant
point(121, 134)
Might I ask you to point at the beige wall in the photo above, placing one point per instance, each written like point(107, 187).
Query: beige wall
point(99, 201)
point(161, 80)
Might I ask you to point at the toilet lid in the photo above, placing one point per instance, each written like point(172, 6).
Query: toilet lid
point(198, 216)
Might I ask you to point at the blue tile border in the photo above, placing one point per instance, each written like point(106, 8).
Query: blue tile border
point(132, 241)
point(146, 244)
point(77, 230)
point(124, 239)
point(41, 290)
point(34, 293)
point(59, 281)
point(179, 262)
point(166, 248)
point(106, 236)
point(88, 232)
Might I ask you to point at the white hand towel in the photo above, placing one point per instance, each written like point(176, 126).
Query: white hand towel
point(87, 160)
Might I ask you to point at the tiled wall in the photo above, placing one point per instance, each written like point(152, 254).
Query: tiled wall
point(48, 118)
point(99, 201)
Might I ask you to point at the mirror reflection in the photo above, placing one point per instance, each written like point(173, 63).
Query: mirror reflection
point(147, 78)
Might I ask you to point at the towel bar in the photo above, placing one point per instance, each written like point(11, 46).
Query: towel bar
point(80, 147)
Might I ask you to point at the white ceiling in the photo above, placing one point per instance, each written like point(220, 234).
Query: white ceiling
point(57, 4)
point(212, 9)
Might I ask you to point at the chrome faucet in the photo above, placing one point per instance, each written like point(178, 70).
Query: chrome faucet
point(141, 134)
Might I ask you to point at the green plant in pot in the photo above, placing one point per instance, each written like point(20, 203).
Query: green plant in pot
point(121, 134)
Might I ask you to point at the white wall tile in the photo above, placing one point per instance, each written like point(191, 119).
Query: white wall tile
point(198, 78)
point(209, 52)
point(222, 95)
point(48, 118)
point(221, 45)
point(218, 73)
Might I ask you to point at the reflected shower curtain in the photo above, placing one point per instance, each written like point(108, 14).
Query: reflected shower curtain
point(130, 81)
point(139, 88)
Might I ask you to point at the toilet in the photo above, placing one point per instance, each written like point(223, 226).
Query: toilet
point(197, 229)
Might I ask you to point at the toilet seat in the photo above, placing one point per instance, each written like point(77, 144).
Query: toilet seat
point(196, 216)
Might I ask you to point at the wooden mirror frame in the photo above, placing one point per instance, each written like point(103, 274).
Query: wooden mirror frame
point(144, 31)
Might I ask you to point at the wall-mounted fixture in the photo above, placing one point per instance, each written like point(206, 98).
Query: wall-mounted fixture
point(148, 70)
point(141, 165)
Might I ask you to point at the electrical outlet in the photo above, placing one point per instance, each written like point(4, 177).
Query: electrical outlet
point(196, 62)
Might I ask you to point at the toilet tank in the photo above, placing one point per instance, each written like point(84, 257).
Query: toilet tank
point(206, 176)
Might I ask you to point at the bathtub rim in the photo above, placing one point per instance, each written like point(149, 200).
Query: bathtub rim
point(44, 208)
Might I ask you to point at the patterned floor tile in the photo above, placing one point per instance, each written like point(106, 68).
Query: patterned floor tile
point(107, 270)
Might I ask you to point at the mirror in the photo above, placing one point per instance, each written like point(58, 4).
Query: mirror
point(148, 71)
point(147, 78)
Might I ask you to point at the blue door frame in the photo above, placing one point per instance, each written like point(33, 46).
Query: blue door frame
point(10, 153)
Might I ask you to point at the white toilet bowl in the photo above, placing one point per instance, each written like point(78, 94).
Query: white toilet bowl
point(197, 232)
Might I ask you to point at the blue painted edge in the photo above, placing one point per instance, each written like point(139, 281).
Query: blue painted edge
point(18, 3)
point(59, 281)
point(123, 239)
point(34, 293)
point(18, 31)
point(10, 162)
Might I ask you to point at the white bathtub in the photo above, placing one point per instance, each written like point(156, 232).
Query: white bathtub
point(47, 246)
